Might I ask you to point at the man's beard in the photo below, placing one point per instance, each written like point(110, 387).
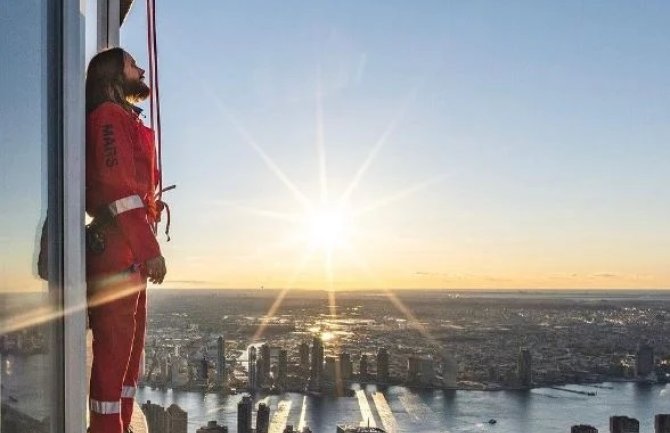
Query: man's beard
point(135, 90)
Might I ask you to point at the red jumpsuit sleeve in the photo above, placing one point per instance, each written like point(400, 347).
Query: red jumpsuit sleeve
point(113, 155)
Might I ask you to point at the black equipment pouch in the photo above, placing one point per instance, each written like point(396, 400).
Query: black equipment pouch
point(95, 239)
point(95, 231)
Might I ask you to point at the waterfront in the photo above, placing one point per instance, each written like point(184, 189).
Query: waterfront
point(403, 411)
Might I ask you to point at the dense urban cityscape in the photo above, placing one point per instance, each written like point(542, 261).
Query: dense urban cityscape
point(226, 343)
point(448, 341)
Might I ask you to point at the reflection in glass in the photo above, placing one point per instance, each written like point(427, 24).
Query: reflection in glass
point(29, 347)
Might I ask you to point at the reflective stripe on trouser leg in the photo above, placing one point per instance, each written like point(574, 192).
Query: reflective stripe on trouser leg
point(128, 391)
point(113, 326)
point(132, 373)
point(105, 407)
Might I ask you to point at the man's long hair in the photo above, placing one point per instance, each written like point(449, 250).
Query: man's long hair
point(104, 79)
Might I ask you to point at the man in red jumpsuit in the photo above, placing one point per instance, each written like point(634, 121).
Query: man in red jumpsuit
point(121, 182)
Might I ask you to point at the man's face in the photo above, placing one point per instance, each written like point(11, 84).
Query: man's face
point(133, 80)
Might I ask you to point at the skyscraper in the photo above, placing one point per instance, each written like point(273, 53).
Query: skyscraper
point(382, 365)
point(330, 371)
point(346, 367)
point(282, 370)
point(644, 360)
point(265, 364)
point(262, 418)
point(420, 370)
point(363, 368)
point(221, 361)
point(244, 409)
point(253, 383)
point(176, 420)
point(662, 423)
point(204, 368)
point(304, 356)
point(316, 372)
point(583, 428)
point(449, 371)
point(525, 368)
point(212, 427)
point(624, 424)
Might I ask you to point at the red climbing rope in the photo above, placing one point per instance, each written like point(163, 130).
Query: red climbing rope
point(155, 110)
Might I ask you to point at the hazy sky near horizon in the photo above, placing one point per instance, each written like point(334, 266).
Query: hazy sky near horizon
point(488, 145)
point(536, 134)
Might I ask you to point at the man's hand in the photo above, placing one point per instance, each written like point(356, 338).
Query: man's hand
point(156, 269)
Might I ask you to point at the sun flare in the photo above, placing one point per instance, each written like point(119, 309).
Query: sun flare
point(328, 228)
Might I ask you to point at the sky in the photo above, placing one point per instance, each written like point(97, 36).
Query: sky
point(432, 144)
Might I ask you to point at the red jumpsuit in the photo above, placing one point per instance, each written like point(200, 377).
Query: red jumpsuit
point(120, 174)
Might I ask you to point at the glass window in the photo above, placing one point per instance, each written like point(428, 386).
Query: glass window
point(31, 343)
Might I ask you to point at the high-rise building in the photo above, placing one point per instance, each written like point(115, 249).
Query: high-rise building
point(154, 415)
point(583, 428)
point(412, 369)
point(346, 366)
point(644, 360)
point(304, 356)
point(420, 370)
point(316, 372)
point(262, 418)
point(282, 370)
point(244, 410)
point(624, 424)
point(330, 371)
point(212, 427)
point(662, 423)
point(524, 368)
point(449, 371)
point(170, 420)
point(251, 367)
point(382, 365)
point(363, 368)
point(176, 420)
point(265, 364)
point(204, 368)
point(221, 373)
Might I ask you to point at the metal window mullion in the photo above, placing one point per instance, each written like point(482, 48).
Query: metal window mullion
point(73, 160)
point(109, 23)
point(53, 75)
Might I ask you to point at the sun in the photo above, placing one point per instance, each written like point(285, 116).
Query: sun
point(328, 227)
